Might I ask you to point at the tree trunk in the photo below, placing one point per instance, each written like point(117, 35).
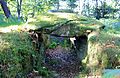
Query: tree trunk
point(5, 8)
point(34, 8)
point(79, 7)
point(115, 6)
point(88, 8)
point(103, 11)
point(58, 5)
point(84, 8)
point(103, 8)
point(19, 3)
point(97, 12)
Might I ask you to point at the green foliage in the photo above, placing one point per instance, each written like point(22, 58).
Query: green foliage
point(45, 72)
point(93, 39)
point(65, 43)
point(52, 45)
point(112, 25)
point(71, 4)
point(28, 7)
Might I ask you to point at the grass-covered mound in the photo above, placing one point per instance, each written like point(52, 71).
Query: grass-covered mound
point(103, 49)
point(15, 52)
point(18, 58)
point(103, 52)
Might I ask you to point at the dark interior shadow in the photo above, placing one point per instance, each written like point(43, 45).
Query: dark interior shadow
point(81, 44)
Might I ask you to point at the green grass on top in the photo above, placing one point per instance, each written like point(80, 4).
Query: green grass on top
point(51, 19)
point(5, 22)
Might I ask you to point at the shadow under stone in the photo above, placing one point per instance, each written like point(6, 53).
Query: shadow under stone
point(67, 62)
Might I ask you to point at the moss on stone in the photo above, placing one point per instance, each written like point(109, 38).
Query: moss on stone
point(77, 26)
point(103, 51)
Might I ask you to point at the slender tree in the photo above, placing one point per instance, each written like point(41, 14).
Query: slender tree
point(5, 8)
point(19, 4)
point(97, 11)
point(71, 4)
point(56, 3)
point(88, 8)
point(103, 7)
point(115, 7)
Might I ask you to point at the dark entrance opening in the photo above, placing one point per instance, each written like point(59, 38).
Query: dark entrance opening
point(81, 44)
point(67, 61)
point(64, 61)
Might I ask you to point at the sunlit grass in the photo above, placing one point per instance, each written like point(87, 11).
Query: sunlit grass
point(5, 22)
point(12, 28)
point(69, 16)
point(52, 19)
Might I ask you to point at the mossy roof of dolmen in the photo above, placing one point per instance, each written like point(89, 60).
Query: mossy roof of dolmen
point(50, 19)
point(78, 24)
